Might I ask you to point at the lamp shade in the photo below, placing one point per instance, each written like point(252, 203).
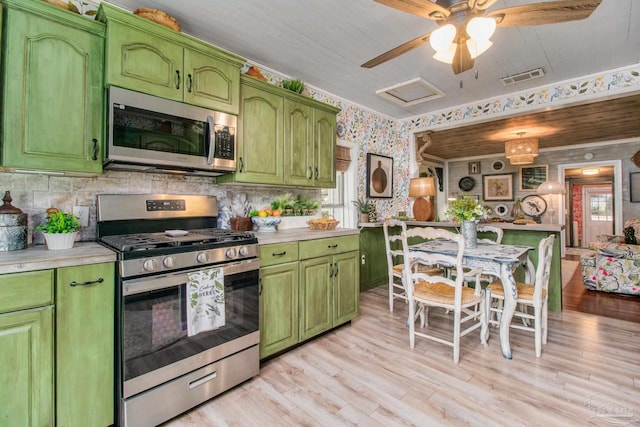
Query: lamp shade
point(521, 151)
point(551, 187)
point(421, 187)
point(481, 28)
point(441, 38)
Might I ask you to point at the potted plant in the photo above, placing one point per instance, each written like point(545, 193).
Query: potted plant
point(466, 211)
point(364, 208)
point(60, 230)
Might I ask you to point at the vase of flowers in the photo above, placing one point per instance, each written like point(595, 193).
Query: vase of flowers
point(467, 211)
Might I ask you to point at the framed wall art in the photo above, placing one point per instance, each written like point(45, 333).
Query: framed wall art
point(497, 187)
point(379, 176)
point(532, 176)
point(634, 187)
point(474, 168)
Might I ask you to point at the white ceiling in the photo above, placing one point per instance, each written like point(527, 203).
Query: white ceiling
point(324, 42)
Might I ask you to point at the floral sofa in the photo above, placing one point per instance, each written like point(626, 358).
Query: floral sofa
point(615, 265)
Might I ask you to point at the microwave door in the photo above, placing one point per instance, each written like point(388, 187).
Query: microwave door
point(212, 140)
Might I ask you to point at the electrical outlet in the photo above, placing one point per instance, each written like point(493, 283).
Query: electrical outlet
point(82, 212)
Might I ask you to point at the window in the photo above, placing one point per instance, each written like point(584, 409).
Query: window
point(601, 207)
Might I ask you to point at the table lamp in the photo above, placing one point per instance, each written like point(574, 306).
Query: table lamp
point(422, 189)
point(551, 187)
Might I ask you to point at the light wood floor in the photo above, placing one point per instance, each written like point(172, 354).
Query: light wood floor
point(366, 374)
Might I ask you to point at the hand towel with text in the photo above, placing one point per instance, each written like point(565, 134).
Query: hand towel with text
point(205, 310)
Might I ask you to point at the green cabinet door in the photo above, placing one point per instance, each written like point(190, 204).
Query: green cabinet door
point(298, 144)
point(278, 307)
point(324, 172)
point(53, 91)
point(85, 345)
point(316, 302)
point(26, 357)
point(374, 270)
point(260, 136)
point(346, 288)
point(211, 83)
point(141, 61)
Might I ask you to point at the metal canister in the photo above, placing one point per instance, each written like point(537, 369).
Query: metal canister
point(13, 226)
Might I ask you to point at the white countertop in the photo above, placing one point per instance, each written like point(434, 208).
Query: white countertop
point(305, 233)
point(503, 225)
point(38, 257)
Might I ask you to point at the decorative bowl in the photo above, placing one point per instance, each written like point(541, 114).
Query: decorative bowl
point(266, 224)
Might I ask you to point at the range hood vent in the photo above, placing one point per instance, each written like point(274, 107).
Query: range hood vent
point(522, 77)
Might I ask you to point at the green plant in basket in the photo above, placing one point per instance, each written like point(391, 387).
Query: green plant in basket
point(60, 222)
point(465, 209)
point(363, 206)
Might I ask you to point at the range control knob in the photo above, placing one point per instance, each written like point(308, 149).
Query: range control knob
point(169, 262)
point(202, 257)
point(243, 251)
point(231, 253)
point(150, 264)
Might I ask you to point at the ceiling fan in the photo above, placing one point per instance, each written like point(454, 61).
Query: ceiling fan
point(464, 32)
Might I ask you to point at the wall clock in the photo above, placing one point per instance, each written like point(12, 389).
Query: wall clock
point(534, 205)
point(467, 183)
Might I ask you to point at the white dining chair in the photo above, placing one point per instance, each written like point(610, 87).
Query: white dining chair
point(425, 291)
point(534, 295)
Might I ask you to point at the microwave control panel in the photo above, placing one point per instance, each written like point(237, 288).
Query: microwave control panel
point(225, 143)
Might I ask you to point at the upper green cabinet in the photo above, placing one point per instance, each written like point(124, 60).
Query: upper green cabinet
point(52, 89)
point(284, 138)
point(147, 57)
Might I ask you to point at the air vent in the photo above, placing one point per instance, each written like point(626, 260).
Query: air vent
point(521, 77)
point(411, 92)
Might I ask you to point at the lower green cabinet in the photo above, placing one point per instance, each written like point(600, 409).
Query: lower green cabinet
point(26, 349)
point(84, 345)
point(307, 288)
point(374, 269)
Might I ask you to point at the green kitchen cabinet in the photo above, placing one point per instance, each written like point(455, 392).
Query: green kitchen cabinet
point(85, 345)
point(373, 268)
point(329, 284)
point(147, 57)
point(26, 349)
point(52, 89)
point(284, 138)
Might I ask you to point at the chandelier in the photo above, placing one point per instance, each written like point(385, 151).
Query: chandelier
point(475, 35)
point(521, 151)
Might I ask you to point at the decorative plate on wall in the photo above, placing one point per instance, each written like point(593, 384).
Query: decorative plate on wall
point(501, 209)
point(497, 165)
point(467, 183)
point(533, 205)
point(341, 129)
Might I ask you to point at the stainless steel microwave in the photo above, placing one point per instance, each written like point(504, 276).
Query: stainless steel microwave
point(151, 134)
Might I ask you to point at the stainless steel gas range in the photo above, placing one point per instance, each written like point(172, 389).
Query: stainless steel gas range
point(165, 243)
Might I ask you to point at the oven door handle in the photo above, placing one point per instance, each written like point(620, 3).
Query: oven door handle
point(145, 284)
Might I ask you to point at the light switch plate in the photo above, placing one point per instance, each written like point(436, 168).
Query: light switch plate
point(82, 212)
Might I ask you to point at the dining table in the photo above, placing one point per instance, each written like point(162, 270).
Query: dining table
point(494, 259)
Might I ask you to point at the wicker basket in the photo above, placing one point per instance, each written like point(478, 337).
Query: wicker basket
point(159, 17)
point(323, 224)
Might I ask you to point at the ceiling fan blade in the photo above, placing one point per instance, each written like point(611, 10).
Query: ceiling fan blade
point(462, 60)
point(480, 4)
point(423, 8)
point(397, 51)
point(544, 13)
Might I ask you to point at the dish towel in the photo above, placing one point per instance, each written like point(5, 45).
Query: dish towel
point(205, 311)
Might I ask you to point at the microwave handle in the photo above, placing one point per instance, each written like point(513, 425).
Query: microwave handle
point(212, 140)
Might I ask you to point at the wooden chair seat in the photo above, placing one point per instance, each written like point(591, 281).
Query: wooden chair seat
point(431, 271)
point(442, 293)
point(525, 291)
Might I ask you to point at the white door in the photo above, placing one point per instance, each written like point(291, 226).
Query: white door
point(597, 208)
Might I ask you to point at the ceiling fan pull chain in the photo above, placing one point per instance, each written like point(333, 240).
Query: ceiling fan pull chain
point(475, 73)
point(461, 84)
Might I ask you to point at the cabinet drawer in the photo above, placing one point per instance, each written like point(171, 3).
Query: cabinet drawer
point(329, 246)
point(20, 291)
point(278, 253)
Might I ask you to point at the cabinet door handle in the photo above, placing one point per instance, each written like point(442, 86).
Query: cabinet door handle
point(177, 79)
point(316, 173)
point(95, 149)
point(332, 246)
point(330, 270)
point(189, 83)
point(279, 253)
point(93, 282)
point(241, 164)
point(310, 173)
point(260, 288)
point(336, 273)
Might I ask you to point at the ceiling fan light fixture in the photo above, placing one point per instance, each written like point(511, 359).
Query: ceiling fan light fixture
point(481, 28)
point(477, 48)
point(446, 55)
point(441, 38)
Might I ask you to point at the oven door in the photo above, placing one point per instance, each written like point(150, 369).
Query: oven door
point(155, 346)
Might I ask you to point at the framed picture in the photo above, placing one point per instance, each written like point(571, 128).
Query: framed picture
point(497, 165)
point(379, 176)
point(497, 187)
point(634, 187)
point(532, 176)
point(474, 168)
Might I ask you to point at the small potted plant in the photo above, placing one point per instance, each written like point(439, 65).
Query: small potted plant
point(364, 208)
point(59, 230)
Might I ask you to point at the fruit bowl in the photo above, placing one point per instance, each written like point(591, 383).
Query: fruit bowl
point(266, 224)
